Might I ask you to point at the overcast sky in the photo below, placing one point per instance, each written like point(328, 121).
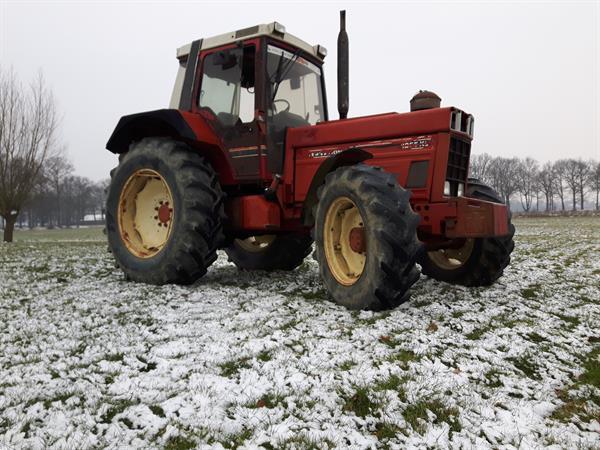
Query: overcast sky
point(529, 72)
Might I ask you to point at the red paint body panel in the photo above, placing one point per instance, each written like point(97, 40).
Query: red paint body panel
point(395, 141)
point(253, 212)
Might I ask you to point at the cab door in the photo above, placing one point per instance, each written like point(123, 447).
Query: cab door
point(227, 98)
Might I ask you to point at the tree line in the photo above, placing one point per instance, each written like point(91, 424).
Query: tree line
point(525, 184)
point(37, 183)
point(60, 198)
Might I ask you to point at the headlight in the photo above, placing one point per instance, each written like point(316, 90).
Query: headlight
point(447, 188)
point(461, 190)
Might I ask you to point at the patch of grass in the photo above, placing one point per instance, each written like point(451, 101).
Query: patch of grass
point(374, 318)
point(301, 441)
point(347, 365)
point(157, 410)
point(535, 337)
point(492, 378)
point(57, 398)
point(237, 440)
point(385, 430)
point(269, 401)
point(389, 341)
point(127, 422)
point(231, 368)
point(526, 365)
point(477, 333)
point(117, 408)
point(591, 365)
point(457, 314)
point(149, 365)
point(416, 413)
point(264, 356)
point(403, 357)
point(515, 395)
point(421, 303)
point(531, 291)
point(393, 383)
point(572, 321)
point(291, 324)
point(360, 403)
point(180, 443)
point(114, 357)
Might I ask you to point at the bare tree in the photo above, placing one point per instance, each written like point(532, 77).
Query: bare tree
point(594, 181)
point(560, 173)
point(57, 170)
point(569, 171)
point(582, 173)
point(28, 127)
point(479, 166)
point(502, 176)
point(547, 183)
point(526, 172)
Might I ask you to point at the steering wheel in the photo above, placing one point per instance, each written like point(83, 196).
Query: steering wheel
point(282, 100)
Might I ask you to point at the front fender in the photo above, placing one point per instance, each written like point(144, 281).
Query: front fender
point(346, 158)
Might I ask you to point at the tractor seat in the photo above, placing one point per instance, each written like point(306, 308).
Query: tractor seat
point(228, 120)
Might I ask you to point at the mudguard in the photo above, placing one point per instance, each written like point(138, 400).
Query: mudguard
point(162, 122)
point(346, 158)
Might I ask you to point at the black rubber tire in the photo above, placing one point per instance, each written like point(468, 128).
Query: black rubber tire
point(197, 218)
point(489, 257)
point(391, 237)
point(286, 252)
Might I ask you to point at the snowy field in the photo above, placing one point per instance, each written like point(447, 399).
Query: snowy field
point(255, 360)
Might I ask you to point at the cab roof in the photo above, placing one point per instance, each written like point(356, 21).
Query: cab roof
point(273, 29)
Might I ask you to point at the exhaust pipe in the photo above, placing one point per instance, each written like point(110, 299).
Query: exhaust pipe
point(343, 68)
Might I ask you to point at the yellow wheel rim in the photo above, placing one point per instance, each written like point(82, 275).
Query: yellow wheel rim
point(145, 213)
point(344, 241)
point(256, 244)
point(452, 258)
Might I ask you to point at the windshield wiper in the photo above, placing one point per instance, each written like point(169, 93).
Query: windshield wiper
point(282, 71)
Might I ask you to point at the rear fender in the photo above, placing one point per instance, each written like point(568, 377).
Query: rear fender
point(346, 158)
point(179, 125)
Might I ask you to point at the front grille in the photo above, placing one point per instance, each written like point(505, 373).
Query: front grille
point(458, 163)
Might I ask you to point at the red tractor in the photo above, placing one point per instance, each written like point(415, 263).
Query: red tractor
point(246, 159)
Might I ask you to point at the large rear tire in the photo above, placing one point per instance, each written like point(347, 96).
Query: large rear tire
point(366, 239)
point(472, 262)
point(164, 213)
point(270, 252)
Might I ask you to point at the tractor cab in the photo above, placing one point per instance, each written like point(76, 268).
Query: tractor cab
point(251, 86)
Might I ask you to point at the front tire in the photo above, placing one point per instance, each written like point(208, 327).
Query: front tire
point(365, 236)
point(270, 252)
point(164, 213)
point(476, 261)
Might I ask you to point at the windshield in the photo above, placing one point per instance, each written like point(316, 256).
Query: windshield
point(295, 85)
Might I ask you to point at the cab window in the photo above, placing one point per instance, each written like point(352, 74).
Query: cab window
point(295, 86)
point(227, 86)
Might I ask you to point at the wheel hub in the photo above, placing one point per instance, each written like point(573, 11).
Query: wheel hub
point(145, 213)
point(357, 240)
point(344, 241)
point(164, 213)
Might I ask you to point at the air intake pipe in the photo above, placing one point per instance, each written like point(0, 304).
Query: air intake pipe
point(343, 67)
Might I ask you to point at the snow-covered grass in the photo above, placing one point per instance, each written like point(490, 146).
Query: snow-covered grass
point(257, 359)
